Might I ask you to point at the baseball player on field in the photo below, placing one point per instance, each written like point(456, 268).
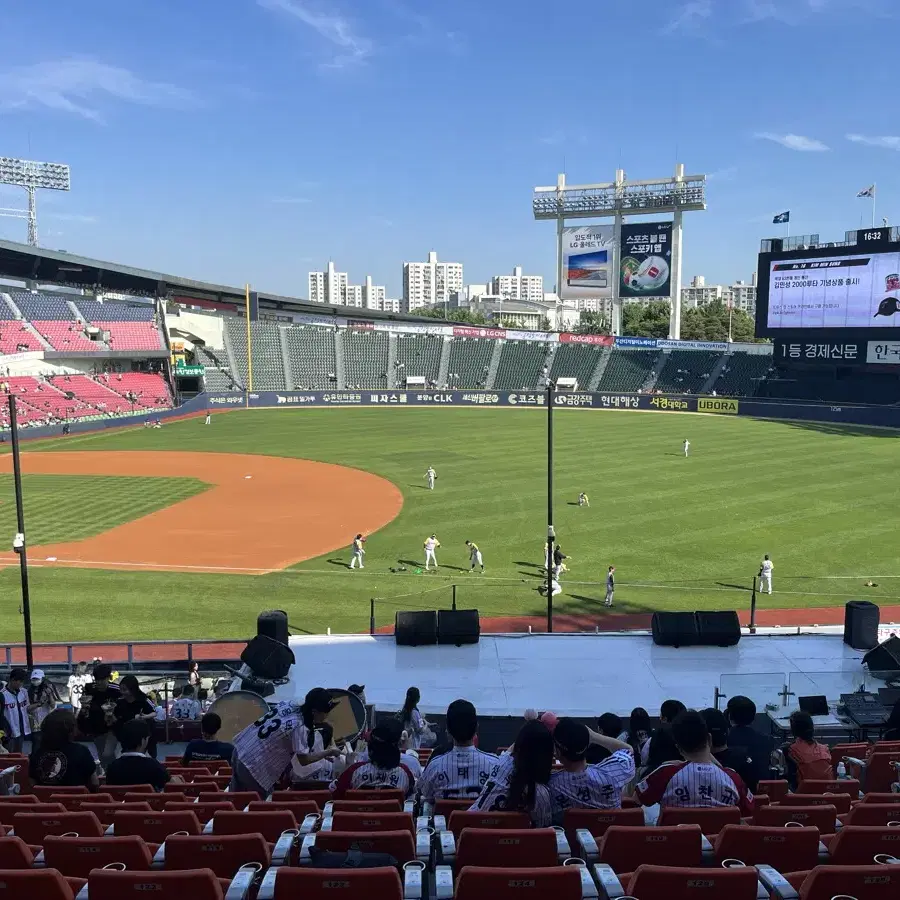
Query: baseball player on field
point(431, 544)
point(430, 476)
point(358, 552)
point(475, 557)
point(583, 499)
point(765, 574)
point(583, 786)
point(464, 770)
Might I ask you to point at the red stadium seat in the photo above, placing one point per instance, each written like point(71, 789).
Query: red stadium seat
point(191, 772)
point(35, 884)
point(34, 827)
point(857, 845)
point(828, 786)
point(675, 883)
point(874, 814)
point(511, 849)
point(74, 802)
point(863, 882)
point(482, 883)
point(15, 853)
point(379, 806)
point(44, 792)
point(194, 789)
point(879, 797)
point(841, 802)
point(711, 820)
point(362, 821)
point(301, 809)
point(76, 856)
point(881, 772)
point(203, 811)
point(386, 794)
point(477, 819)
point(773, 789)
point(400, 844)
point(9, 810)
point(271, 824)
point(839, 751)
point(320, 797)
point(156, 801)
point(597, 821)
point(287, 883)
point(447, 806)
point(781, 848)
point(21, 799)
point(155, 827)
point(821, 817)
point(624, 849)
point(222, 854)
point(238, 799)
point(106, 812)
point(121, 791)
point(198, 884)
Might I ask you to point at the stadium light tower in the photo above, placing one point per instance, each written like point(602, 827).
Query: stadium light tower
point(617, 199)
point(32, 176)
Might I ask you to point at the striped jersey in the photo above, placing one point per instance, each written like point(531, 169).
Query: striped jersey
point(367, 776)
point(595, 787)
point(697, 785)
point(458, 773)
point(267, 747)
point(493, 794)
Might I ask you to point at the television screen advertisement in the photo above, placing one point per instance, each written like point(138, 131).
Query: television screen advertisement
point(588, 256)
point(856, 290)
point(645, 269)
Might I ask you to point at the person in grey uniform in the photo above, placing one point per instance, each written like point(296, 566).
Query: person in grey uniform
point(610, 585)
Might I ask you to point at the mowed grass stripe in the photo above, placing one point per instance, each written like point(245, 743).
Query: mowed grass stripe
point(69, 508)
point(815, 497)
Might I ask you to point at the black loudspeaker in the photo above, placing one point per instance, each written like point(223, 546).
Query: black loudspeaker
point(718, 628)
point(885, 658)
point(415, 629)
point(674, 629)
point(273, 623)
point(458, 626)
point(267, 658)
point(861, 619)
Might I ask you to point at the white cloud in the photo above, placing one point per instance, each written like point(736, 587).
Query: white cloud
point(690, 15)
point(349, 48)
point(887, 142)
point(77, 85)
point(726, 174)
point(794, 142)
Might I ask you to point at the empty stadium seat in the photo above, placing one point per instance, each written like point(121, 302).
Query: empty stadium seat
point(15, 853)
point(106, 812)
point(870, 882)
point(627, 370)
point(402, 845)
point(418, 355)
point(823, 818)
point(154, 827)
point(361, 806)
point(742, 374)
point(77, 856)
point(839, 751)
point(879, 797)
point(300, 809)
point(74, 802)
point(595, 823)
point(578, 361)
point(873, 814)
point(238, 799)
point(469, 363)
point(780, 847)
point(686, 371)
point(775, 789)
point(857, 845)
point(203, 811)
point(460, 820)
point(34, 827)
point(521, 848)
point(711, 820)
point(9, 810)
point(651, 882)
point(222, 854)
point(44, 793)
point(193, 788)
point(197, 884)
point(521, 363)
point(881, 771)
point(122, 791)
point(370, 821)
point(445, 806)
point(311, 357)
point(155, 801)
point(827, 786)
point(288, 883)
point(36, 884)
point(386, 794)
point(483, 883)
point(624, 849)
point(841, 802)
point(271, 824)
point(365, 359)
point(320, 798)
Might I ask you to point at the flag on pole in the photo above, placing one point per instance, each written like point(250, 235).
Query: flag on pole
point(867, 192)
point(782, 218)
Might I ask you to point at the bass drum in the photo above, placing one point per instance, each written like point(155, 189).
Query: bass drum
point(237, 710)
point(348, 718)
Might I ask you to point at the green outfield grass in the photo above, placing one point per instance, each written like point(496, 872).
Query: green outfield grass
point(683, 534)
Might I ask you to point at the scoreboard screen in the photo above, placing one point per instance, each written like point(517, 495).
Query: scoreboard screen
point(832, 289)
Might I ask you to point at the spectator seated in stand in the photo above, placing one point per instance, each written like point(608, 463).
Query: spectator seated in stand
point(186, 707)
point(806, 758)
point(741, 712)
point(583, 786)
point(383, 769)
point(662, 747)
point(133, 765)
point(207, 748)
point(699, 781)
point(730, 757)
point(60, 760)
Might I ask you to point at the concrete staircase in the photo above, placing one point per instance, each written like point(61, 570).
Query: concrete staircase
point(286, 359)
point(600, 368)
point(232, 363)
point(340, 363)
point(650, 383)
point(494, 365)
point(392, 362)
point(710, 382)
point(444, 365)
point(548, 365)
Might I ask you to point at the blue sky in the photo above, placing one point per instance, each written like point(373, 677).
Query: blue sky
point(255, 139)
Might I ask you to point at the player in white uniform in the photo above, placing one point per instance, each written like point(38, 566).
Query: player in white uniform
point(475, 557)
point(358, 552)
point(579, 785)
point(208, 418)
point(431, 544)
point(430, 475)
point(583, 499)
point(687, 447)
point(264, 750)
point(464, 770)
point(765, 574)
point(519, 781)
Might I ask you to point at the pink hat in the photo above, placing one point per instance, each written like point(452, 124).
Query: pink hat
point(549, 719)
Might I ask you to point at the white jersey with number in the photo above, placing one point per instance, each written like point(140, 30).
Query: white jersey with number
point(595, 787)
point(493, 795)
point(267, 747)
point(461, 772)
point(767, 567)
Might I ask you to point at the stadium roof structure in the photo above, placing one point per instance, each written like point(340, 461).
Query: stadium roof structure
point(23, 262)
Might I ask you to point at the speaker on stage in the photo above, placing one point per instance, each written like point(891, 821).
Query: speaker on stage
point(415, 629)
point(269, 659)
point(720, 628)
point(458, 626)
point(674, 629)
point(861, 619)
point(273, 623)
point(885, 658)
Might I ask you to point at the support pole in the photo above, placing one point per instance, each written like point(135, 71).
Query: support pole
point(753, 608)
point(372, 616)
point(454, 597)
point(19, 541)
point(249, 385)
point(551, 534)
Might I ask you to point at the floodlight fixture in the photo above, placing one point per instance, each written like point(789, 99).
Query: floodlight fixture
point(32, 176)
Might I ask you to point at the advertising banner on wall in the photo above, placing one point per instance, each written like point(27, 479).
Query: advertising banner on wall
point(646, 260)
point(605, 340)
point(587, 262)
point(787, 352)
point(642, 342)
point(881, 353)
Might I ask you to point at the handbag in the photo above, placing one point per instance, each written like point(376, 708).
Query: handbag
point(354, 858)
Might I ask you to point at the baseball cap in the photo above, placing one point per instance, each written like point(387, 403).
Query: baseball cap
point(388, 732)
point(37, 675)
point(571, 737)
point(320, 700)
point(356, 688)
point(550, 719)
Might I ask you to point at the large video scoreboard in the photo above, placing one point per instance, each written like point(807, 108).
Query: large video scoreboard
point(840, 304)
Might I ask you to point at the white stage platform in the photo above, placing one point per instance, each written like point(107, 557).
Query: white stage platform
point(574, 674)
